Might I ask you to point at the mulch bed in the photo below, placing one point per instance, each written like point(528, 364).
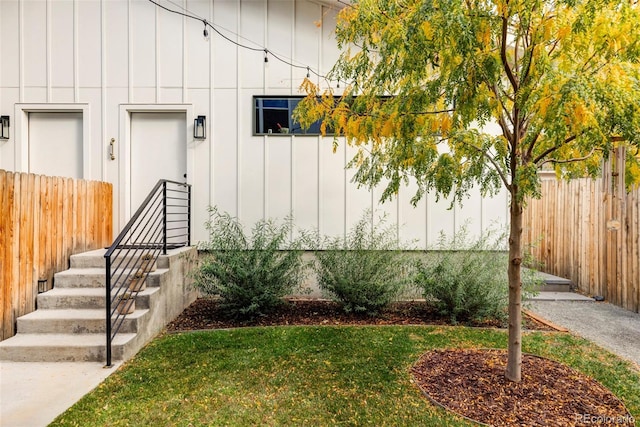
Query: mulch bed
point(468, 382)
point(472, 384)
point(205, 313)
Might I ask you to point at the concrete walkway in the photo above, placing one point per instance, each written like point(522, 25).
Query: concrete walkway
point(609, 326)
point(33, 394)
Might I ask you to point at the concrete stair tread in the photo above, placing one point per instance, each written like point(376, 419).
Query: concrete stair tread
point(91, 292)
point(64, 340)
point(549, 282)
point(73, 292)
point(95, 277)
point(555, 280)
point(75, 314)
point(77, 321)
point(88, 298)
point(96, 259)
point(74, 271)
point(561, 296)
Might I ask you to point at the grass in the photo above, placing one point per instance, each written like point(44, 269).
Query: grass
point(314, 376)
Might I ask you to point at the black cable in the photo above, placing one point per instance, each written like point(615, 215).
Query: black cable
point(255, 49)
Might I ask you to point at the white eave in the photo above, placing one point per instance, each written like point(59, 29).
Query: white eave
point(334, 4)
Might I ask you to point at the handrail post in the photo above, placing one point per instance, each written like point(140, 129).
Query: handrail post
point(164, 218)
point(189, 216)
point(108, 308)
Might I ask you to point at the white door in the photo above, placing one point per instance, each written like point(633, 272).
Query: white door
point(55, 144)
point(158, 151)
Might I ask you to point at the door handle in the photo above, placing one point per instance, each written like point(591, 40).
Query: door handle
point(112, 153)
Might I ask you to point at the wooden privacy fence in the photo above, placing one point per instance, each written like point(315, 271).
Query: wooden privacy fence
point(43, 221)
point(589, 231)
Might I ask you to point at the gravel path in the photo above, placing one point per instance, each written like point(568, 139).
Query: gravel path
point(612, 327)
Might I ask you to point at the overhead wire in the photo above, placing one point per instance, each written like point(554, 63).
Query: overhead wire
point(188, 14)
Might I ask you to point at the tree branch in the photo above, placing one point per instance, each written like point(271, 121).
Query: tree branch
point(503, 55)
point(505, 129)
point(577, 159)
point(548, 151)
point(532, 144)
point(492, 161)
point(553, 47)
point(496, 93)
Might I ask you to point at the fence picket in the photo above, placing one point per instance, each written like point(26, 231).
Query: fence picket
point(14, 244)
point(5, 269)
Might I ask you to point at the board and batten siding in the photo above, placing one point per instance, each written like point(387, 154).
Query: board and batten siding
point(106, 53)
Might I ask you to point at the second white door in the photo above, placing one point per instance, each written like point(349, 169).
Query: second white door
point(158, 151)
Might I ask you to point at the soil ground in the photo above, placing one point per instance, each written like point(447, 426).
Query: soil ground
point(205, 313)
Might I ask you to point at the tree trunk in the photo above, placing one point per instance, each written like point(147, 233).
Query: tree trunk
point(514, 360)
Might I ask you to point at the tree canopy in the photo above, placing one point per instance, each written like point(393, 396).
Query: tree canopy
point(463, 93)
point(561, 79)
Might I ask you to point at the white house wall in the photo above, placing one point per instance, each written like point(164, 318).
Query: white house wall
point(107, 53)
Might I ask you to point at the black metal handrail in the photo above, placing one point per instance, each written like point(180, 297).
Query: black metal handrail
point(163, 221)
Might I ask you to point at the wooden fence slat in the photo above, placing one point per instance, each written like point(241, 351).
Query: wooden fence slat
point(22, 243)
point(27, 303)
point(5, 277)
point(61, 263)
point(76, 217)
point(43, 220)
point(7, 203)
point(67, 227)
point(14, 235)
point(35, 215)
point(44, 224)
point(49, 214)
point(82, 211)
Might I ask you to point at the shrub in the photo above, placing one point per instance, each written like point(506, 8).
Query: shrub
point(466, 280)
point(364, 272)
point(251, 274)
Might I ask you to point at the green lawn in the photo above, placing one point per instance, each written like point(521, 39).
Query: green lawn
point(314, 376)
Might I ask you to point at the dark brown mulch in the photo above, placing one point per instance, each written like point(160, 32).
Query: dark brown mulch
point(205, 313)
point(472, 383)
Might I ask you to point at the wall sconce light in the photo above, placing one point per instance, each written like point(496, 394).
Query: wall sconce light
point(200, 127)
point(4, 127)
point(42, 285)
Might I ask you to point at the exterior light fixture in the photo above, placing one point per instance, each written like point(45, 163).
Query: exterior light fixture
point(42, 285)
point(200, 127)
point(4, 127)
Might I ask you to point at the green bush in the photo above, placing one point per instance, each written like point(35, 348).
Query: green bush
point(364, 272)
point(251, 274)
point(466, 280)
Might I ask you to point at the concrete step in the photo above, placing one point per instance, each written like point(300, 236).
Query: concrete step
point(75, 322)
point(95, 277)
point(560, 296)
point(87, 298)
point(554, 287)
point(95, 259)
point(551, 283)
point(91, 259)
point(63, 347)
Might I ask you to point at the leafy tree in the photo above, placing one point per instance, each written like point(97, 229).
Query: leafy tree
point(558, 80)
